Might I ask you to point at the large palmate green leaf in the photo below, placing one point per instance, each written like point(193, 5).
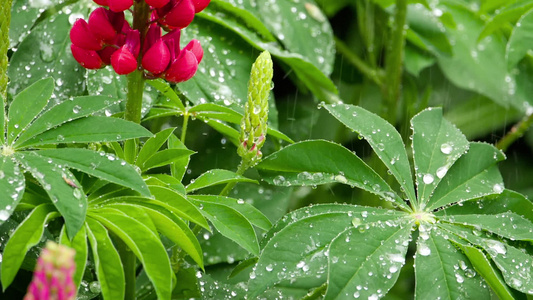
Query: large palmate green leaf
point(520, 41)
point(510, 13)
point(45, 52)
point(145, 244)
point(27, 235)
point(27, 105)
point(438, 264)
point(107, 262)
point(319, 162)
point(437, 144)
point(102, 165)
point(152, 145)
point(61, 186)
point(382, 137)
point(12, 184)
point(296, 248)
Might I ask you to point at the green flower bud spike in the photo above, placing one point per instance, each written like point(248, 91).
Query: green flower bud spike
point(254, 122)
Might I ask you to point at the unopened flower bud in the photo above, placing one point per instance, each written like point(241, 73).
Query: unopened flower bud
point(87, 58)
point(195, 47)
point(176, 14)
point(183, 68)
point(119, 5)
point(105, 24)
point(200, 5)
point(157, 3)
point(157, 58)
point(81, 36)
point(123, 61)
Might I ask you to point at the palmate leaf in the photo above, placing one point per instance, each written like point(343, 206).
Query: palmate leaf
point(215, 177)
point(520, 40)
point(79, 244)
point(296, 248)
point(152, 145)
point(12, 184)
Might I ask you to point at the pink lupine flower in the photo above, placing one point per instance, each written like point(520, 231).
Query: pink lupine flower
point(183, 68)
point(156, 55)
point(81, 36)
point(157, 3)
point(101, 2)
point(124, 60)
point(105, 24)
point(200, 5)
point(52, 279)
point(176, 14)
point(195, 47)
point(89, 59)
point(119, 5)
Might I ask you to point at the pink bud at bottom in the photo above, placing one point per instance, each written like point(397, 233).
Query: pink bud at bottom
point(89, 59)
point(195, 47)
point(123, 61)
point(183, 68)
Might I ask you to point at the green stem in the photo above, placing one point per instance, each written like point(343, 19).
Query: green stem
point(394, 61)
point(240, 171)
point(5, 19)
point(363, 67)
point(515, 133)
point(129, 264)
point(184, 127)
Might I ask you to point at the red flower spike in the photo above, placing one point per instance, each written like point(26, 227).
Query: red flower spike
point(183, 68)
point(157, 3)
point(181, 14)
point(105, 24)
point(119, 5)
point(157, 58)
point(89, 59)
point(195, 47)
point(152, 36)
point(172, 39)
point(101, 2)
point(81, 36)
point(123, 61)
point(200, 5)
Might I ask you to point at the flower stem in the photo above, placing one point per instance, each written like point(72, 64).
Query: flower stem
point(184, 126)
point(393, 62)
point(515, 133)
point(5, 19)
point(240, 171)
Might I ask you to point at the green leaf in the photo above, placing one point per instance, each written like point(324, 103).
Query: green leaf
point(426, 28)
point(215, 177)
point(90, 129)
point(2, 120)
point(437, 144)
point(510, 13)
point(508, 225)
point(483, 266)
point(231, 133)
point(102, 165)
point(179, 205)
point(147, 247)
point(179, 167)
point(295, 248)
point(382, 137)
point(12, 185)
point(217, 112)
point(45, 52)
point(166, 90)
point(27, 235)
point(318, 162)
point(252, 214)
point(369, 255)
point(473, 175)
point(173, 228)
point(23, 17)
point(439, 265)
point(166, 180)
point(63, 112)
point(231, 224)
point(56, 180)
point(27, 105)
point(165, 157)
point(130, 210)
point(520, 40)
point(415, 60)
point(79, 244)
point(279, 135)
point(152, 145)
point(107, 263)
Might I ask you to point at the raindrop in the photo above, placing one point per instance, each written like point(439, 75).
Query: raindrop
point(497, 188)
point(424, 250)
point(76, 109)
point(340, 178)
point(94, 287)
point(4, 215)
point(446, 148)
point(428, 178)
point(441, 172)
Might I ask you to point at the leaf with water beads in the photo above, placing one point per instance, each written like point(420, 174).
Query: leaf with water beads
point(152, 145)
point(382, 137)
point(27, 105)
point(12, 184)
point(63, 112)
point(436, 144)
point(173, 99)
point(27, 235)
point(105, 166)
point(318, 162)
point(215, 177)
point(438, 264)
point(296, 247)
point(365, 261)
point(473, 175)
point(70, 202)
point(79, 244)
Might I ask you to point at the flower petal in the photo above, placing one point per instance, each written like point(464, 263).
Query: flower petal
point(89, 59)
point(123, 61)
point(157, 58)
point(183, 68)
point(81, 36)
